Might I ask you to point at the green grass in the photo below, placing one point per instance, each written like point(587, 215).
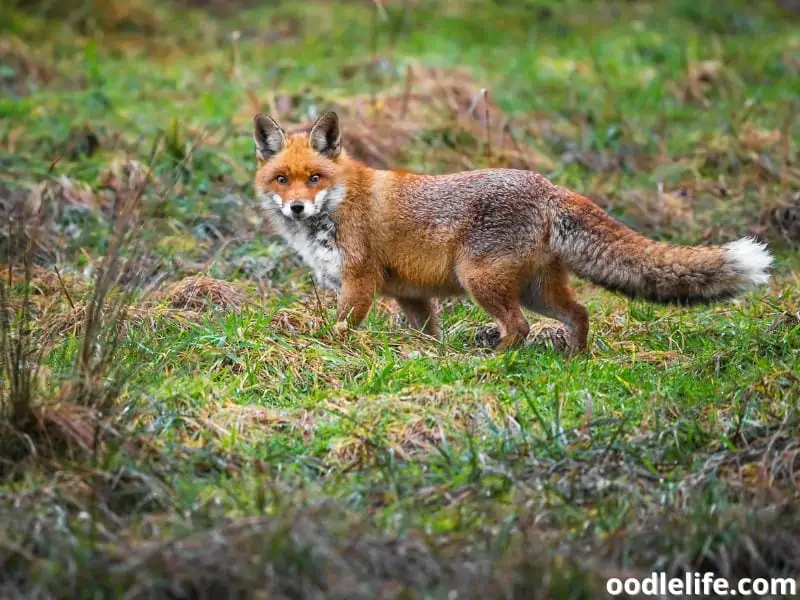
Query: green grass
point(390, 463)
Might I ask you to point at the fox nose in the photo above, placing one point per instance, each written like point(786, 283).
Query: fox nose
point(297, 207)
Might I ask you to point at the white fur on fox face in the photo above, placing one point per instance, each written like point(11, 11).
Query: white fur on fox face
point(330, 198)
point(309, 209)
point(324, 200)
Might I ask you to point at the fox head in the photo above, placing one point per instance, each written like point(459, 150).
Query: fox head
point(297, 174)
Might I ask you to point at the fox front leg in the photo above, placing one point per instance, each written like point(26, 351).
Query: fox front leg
point(354, 303)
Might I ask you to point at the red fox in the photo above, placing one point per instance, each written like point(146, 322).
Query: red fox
point(508, 238)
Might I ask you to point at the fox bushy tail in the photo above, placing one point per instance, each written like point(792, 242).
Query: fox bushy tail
point(597, 247)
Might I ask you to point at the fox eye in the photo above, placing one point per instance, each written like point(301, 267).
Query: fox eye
point(313, 179)
point(282, 179)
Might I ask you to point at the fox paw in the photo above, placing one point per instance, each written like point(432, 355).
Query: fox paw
point(487, 337)
point(341, 328)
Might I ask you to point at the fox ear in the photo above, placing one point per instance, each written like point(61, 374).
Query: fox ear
point(268, 136)
point(325, 136)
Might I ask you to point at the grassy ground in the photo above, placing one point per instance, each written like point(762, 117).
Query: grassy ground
point(209, 437)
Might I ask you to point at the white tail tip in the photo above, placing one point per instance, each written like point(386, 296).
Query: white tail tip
point(749, 259)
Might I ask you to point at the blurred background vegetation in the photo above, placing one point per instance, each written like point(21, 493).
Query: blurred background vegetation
point(176, 419)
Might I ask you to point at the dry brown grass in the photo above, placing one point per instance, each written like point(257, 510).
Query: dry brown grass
point(106, 15)
point(70, 422)
point(27, 70)
point(124, 173)
point(41, 211)
point(781, 220)
point(700, 80)
point(405, 425)
point(200, 293)
point(657, 209)
point(379, 127)
point(149, 316)
point(766, 469)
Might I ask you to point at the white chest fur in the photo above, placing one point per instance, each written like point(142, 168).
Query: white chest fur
point(313, 238)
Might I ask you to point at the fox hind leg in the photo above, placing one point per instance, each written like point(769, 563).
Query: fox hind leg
point(420, 314)
point(549, 293)
point(496, 289)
